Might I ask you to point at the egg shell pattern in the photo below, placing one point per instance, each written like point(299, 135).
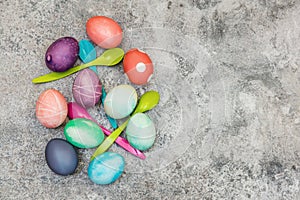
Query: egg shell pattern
point(51, 108)
point(140, 132)
point(138, 66)
point(87, 88)
point(120, 101)
point(106, 168)
point(104, 31)
point(83, 133)
point(61, 157)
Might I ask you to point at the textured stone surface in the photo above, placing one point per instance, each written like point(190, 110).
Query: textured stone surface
point(229, 117)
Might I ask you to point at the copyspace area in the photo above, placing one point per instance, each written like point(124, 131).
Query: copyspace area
point(229, 116)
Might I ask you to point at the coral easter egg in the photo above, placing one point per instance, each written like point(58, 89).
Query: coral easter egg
point(120, 101)
point(51, 108)
point(87, 88)
point(104, 31)
point(138, 66)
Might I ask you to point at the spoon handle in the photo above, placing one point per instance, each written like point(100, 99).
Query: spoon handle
point(112, 121)
point(109, 140)
point(124, 144)
point(109, 57)
point(58, 75)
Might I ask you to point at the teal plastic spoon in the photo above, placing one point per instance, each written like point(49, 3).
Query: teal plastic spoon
point(147, 101)
point(87, 53)
point(112, 121)
point(109, 57)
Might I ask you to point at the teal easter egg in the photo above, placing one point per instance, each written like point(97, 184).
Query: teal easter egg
point(120, 101)
point(106, 168)
point(83, 133)
point(140, 132)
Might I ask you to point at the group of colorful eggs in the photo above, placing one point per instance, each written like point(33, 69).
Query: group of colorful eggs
point(52, 108)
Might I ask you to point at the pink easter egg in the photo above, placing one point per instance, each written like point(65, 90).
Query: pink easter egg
point(87, 88)
point(51, 108)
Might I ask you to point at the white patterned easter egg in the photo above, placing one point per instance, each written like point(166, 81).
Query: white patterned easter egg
point(140, 132)
point(120, 101)
point(87, 88)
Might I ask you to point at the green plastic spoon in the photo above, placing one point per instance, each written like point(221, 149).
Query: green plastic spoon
point(147, 101)
point(109, 57)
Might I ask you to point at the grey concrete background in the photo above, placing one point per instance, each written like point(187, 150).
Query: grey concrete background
point(229, 117)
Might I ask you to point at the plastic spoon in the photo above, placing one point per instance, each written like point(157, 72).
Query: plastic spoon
point(109, 57)
point(112, 121)
point(87, 53)
point(147, 101)
point(76, 111)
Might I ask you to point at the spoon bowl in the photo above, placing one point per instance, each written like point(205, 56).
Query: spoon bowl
point(87, 53)
point(109, 57)
point(147, 101)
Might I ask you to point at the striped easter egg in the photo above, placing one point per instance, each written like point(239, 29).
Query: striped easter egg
point(87, 88)
point(51, 108)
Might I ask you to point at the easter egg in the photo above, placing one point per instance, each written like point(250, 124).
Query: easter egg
point(138, 66)
point(51, 108)
point(120, 101)
point(140, 132)
point(61, 157)
point(106, 168)
point(104, 31)
point(87, 88)
point(62, 54)
point(83, 133)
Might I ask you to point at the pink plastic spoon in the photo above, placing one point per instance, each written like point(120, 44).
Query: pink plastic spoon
point(76, 111)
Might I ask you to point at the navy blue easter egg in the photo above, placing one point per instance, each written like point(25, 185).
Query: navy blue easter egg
point(61, 157)
point(106, 168)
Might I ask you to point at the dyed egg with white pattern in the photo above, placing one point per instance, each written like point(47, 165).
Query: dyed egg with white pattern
point(138, 66)
point(140, 132)
point(106, 168)
point(83, 133)
point(120, 101)
point(51, 108)
point(87, 88)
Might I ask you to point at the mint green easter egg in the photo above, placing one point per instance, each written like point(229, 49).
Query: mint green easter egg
point(83, 133)
point(140, 132)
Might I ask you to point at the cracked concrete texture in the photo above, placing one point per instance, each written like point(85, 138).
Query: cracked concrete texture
point(229, 118)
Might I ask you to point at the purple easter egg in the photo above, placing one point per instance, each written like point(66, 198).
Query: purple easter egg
point(62, 54)
point(87, 88)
